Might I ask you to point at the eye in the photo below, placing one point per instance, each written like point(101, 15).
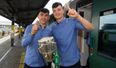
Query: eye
point(54, 10)
point(46, 15)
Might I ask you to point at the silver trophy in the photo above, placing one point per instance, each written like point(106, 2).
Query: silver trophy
point(47, 47)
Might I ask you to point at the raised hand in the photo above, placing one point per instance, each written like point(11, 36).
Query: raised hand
point(34, 28)
point(72, 13)
point(83, 21)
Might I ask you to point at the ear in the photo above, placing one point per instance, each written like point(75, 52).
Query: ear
point(48, 17)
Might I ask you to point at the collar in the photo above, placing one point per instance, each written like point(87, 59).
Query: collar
point(60, 21)
point(41, 27)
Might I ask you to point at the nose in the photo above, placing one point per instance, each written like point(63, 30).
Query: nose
point(43, 16)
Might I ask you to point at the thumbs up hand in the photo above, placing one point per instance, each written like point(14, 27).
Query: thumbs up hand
point(34, 28)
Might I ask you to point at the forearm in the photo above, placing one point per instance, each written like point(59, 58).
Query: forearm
point(85, 23)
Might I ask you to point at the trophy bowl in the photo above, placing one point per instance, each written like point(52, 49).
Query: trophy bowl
point(47, 47)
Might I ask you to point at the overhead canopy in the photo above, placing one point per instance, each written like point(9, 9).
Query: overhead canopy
point(81, 3)
point(22, 11)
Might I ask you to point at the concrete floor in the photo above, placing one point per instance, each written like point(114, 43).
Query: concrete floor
point(10, 56)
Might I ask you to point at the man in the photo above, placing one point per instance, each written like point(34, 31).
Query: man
point(33, 33)
point(12, 38)
point(64, 31)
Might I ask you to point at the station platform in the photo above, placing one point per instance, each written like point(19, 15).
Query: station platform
point(11, 57)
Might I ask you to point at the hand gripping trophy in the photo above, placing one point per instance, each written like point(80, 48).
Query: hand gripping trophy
point(48, 49)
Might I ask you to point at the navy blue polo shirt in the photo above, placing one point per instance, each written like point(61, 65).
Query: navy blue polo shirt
point(65, 34)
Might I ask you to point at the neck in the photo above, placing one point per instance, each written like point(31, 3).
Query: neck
point(59, 20)
point(43, 26)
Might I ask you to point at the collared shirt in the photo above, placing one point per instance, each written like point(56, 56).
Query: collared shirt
point(33, 58)
point(65, 34)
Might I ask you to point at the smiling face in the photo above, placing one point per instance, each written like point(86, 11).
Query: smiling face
point(58, 12)
point(43, 17)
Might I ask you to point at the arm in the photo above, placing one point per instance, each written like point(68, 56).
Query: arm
point(30, 31)
point(84, 22)
point(27, 38)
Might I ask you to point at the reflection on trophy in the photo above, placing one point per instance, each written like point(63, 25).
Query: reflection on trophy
point(47, 47)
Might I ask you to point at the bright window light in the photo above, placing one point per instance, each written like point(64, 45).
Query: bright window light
point(49, 4)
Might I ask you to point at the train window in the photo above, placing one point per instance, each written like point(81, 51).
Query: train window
point(107, 34)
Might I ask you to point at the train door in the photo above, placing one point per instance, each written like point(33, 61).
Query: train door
point(103, 38)
point(85, 11)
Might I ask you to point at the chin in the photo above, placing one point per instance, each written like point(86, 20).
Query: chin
point(57, 17)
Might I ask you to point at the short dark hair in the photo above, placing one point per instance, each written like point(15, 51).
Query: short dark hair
point(56, 4)
point(44, 10)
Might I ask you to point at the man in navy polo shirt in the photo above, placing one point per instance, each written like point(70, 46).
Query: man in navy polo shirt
point(65, 31)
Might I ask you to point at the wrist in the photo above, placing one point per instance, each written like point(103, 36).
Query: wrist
point(79, 17)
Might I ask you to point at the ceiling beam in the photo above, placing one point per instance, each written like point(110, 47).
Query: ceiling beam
point(11, 5)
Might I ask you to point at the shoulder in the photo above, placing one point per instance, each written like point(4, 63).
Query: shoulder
point(52, 25)
point(72, 19)
point(28, 28)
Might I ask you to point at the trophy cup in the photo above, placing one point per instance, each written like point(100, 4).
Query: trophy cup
point(47, 47)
